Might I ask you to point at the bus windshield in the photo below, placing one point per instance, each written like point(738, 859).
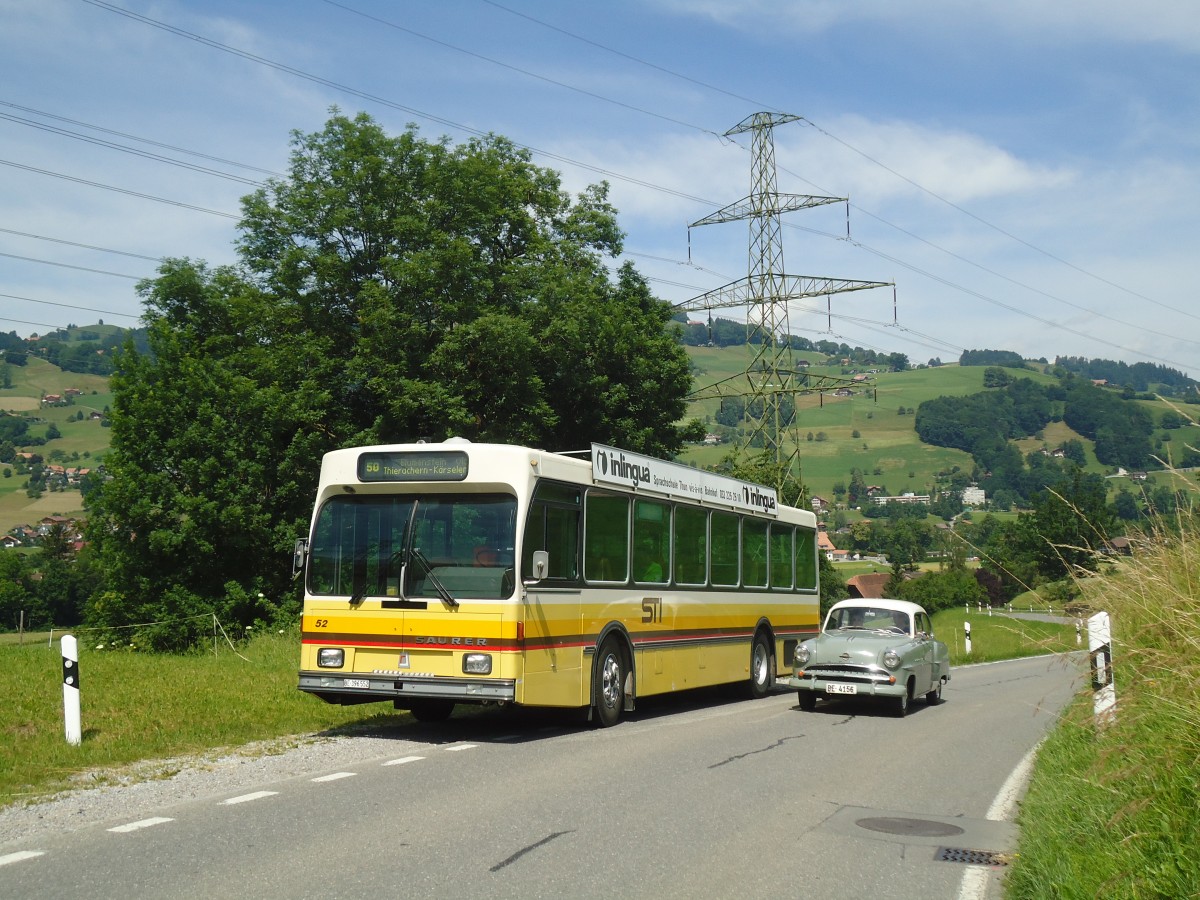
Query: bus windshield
point(454, 545)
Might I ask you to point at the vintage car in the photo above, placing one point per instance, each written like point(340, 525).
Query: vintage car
point(875, 648)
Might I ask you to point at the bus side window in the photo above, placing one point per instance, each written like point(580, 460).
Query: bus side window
point(651, 541)
point(806, 558)
point(725, 549)
point(754, 552)
point(606, 537)
point(691, 545)
point(781, 555)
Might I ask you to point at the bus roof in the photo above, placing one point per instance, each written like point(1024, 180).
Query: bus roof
point(460, 460)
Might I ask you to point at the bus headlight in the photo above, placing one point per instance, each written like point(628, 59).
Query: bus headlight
point(477, 663)
point(331, 657)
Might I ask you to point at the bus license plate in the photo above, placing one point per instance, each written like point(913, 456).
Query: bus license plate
point(841, 689)
point(356, 683)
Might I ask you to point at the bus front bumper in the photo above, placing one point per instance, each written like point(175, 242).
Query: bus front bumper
point(371, 688)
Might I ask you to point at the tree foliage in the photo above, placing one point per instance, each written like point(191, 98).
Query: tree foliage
point(389, 289)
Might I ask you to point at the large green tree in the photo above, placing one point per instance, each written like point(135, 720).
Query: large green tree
point(389, 289)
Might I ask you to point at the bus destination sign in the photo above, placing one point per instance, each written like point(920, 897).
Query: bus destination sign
point(412, 465)
point(633, 470)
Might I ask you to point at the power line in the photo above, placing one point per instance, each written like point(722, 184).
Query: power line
point(517, 69)
point(567, 160)
point(142, 140)
point(891, 171)
point(48, 262)
point(106, 312)
point(383, 101)
point(145, 154)
point(119, 190)
point(42, 237)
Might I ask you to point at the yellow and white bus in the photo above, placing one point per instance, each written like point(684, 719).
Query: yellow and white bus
point(448, 573)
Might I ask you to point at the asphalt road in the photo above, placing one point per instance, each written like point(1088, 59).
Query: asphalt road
point(693, 796)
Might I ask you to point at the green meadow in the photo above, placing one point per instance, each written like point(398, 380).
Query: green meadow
point(83, 443)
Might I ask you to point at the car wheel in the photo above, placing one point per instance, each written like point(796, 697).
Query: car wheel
point(610, 676)
point(808, 700)
point(901, 704)
point(760, 668)
point(431, 710)
point(934, 697)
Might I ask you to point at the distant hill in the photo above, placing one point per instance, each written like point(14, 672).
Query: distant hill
point(84, 349)
point(78, 418)
point(871, 427)
point(867, 426)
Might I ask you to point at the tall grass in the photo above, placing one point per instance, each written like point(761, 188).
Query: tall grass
point(1114, 810)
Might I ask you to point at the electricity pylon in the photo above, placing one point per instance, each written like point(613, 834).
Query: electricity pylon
point(771, 382)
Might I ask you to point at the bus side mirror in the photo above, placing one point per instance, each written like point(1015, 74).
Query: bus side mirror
point(539, 566)
point(299, 555)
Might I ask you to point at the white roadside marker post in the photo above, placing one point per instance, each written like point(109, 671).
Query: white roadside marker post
point(967, 631)
point(1104, 692)
point(70, 666)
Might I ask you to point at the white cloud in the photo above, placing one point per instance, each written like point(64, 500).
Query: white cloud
point(1168, 22)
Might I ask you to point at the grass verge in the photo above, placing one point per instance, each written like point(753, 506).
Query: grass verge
point(999, 636)
point(1114, 810)
point(140, 706)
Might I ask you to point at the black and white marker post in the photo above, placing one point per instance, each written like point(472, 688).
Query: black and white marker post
point(70, 661)
point(1104, 692)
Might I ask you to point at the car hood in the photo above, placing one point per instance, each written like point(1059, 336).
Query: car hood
point(863, 648)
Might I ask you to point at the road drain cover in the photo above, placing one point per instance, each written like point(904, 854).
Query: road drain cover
point(972, 857)
point(914, 827)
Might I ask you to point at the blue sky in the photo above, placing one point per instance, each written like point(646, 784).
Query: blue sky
point(1025, 172)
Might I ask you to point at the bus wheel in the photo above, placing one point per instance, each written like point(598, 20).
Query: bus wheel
point(760, 667)
point(431, 710)
point(610, 676)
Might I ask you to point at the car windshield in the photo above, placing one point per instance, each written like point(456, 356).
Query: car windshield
point(871, 618)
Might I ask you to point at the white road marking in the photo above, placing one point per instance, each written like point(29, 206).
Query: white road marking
point(977, 879)
point(402, 760)
point(257, 795)
point(144, 823)
point(20, 856)
point(461, 747)
point(335, 776)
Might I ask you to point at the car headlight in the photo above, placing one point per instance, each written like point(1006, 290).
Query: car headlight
point(331, 657)
point(891, 659)
point(477, 663)
point(803, 655)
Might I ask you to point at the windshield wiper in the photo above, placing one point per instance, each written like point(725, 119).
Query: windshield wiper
point(408, 552)
point(444, 594)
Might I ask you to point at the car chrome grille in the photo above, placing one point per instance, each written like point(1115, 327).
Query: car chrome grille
point(847, 673)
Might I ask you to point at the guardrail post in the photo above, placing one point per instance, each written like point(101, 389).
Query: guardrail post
point(70, 677)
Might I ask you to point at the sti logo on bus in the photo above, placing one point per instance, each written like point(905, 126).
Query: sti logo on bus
point(615, 465)
point(757, 499)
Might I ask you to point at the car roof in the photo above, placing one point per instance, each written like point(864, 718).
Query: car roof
point(880, 603)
